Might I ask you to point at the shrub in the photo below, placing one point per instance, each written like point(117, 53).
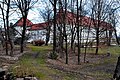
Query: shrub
point(53, 55)
point(38, 42)
point(17, 40)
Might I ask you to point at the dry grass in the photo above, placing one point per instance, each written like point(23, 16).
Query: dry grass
point(99, 67)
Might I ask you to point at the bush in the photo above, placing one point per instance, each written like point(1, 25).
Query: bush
point(53, 55)
point(17, 41)
point(38, 42)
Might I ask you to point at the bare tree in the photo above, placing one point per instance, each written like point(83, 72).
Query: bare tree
point(5, 9)
point(78, 18)
point(64, 32)
point(47, 16)
point(24, 6)
point(71, 6)
point(101, 12)
point(98, 15)
point(54, 24)
point(114, 21)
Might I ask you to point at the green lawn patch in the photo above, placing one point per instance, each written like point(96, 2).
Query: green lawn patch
point(103, 50)
point(34, 63)
point(40, 48)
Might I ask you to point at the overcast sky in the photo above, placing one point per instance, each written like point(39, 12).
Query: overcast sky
point(34, 14)
point(36, 18)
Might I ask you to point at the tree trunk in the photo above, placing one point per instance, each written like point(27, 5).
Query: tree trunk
point(47, 37)
point(8, 28)
point(48, 30)
point(65, 35)
point(97, 41)
point(78, 43)
point(6, 46)
point(54, 28)
point(72, 36)
point(23, 34)
point(99, 3)
point(116, 74)
point(61, 41)
point(66, 50)
point(109, 38)
point(86, 44)
point(117, 40)
point(6, 37)
point(79, 32)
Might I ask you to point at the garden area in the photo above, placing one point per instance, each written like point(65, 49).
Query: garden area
point(59, 40)
point(36, 63)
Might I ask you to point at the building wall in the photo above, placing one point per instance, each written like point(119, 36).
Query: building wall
point(19, 29)
point(37, 34)
point(41, 34)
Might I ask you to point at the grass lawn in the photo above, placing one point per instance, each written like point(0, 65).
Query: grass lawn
point(30, 64)
point(34, 63)
point(112, 49)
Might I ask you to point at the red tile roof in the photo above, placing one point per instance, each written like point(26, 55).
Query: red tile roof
point(39, 26)
point(20, 22)
point(70, 18)
point(85, 21)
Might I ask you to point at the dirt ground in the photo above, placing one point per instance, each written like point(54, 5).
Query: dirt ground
point(96, 67)
point(7, 60)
